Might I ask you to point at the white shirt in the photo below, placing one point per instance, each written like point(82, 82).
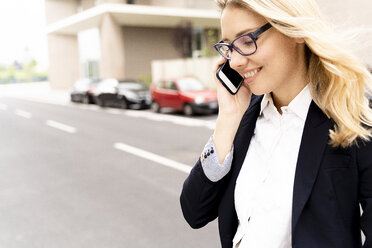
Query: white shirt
point(264, 187)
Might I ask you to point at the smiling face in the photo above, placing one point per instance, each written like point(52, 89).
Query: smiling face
point(277, 66)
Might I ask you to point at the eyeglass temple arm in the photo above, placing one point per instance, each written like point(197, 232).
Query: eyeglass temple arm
point(265, 27)
point(254, 34)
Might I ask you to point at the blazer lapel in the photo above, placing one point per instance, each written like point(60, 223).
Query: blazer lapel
point(244, 134)
point(314, 140)
point(228, 221)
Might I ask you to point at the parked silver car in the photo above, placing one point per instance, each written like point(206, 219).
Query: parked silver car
point(82, 90)
point(123, 94)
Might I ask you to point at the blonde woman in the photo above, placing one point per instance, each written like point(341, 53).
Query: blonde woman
point(290, 159)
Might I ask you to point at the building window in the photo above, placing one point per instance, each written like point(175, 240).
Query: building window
point(197, 39)
point(89, 52)
point(130, 1)
point(197, 42)
point(91, 69)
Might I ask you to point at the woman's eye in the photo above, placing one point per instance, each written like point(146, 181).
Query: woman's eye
point(248, 43)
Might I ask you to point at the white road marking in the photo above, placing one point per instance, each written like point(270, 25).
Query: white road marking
point(184, 121)
point(41, 93)
point(61, 126)
point(153, 157)
point(23, 114)
point(3, 106)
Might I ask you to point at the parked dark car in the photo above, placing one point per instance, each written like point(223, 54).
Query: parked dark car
point(82, 90)
point(186, 94)
point(123, 94)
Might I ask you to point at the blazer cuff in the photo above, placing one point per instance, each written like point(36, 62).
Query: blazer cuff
point(213, 170)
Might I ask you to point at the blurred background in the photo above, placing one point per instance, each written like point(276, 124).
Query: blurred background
point(105, 105)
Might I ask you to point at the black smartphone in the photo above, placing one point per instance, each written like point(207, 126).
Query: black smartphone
point(229, 78)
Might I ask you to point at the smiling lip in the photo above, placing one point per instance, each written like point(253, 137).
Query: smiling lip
point(251, 75)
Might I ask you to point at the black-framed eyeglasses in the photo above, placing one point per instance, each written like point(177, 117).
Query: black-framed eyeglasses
point(245, 45)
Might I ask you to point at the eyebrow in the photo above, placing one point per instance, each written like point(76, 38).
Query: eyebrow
point(245, 31)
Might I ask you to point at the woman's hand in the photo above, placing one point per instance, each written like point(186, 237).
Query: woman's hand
point(231, 110)
point(231, 104)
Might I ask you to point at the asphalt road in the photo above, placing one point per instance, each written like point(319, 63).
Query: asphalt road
point(81, 176)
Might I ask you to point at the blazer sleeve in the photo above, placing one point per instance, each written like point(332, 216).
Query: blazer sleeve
point(365, 190)
point(200, 197)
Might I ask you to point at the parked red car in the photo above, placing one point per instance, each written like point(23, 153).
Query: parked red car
point(186, 94)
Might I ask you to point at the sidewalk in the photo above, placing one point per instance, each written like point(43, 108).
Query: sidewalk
point(39, 92)
point(42, 93)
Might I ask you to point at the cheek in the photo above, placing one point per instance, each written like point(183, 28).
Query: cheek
point(278, 58)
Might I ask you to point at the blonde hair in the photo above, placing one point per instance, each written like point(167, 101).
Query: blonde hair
point(338, 80)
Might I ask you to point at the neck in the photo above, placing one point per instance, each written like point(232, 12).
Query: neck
point(287, 96)
point(294, 84)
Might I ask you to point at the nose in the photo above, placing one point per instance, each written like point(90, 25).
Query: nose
point(238, 61)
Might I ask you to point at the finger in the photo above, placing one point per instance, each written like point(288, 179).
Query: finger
point(219, 62)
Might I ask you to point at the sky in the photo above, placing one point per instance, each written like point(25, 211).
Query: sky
point(23, 32)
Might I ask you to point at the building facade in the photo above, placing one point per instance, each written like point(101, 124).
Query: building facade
point(132, 33)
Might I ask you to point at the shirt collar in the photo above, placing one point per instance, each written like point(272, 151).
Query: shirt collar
point(266, 101)
point(299, 105)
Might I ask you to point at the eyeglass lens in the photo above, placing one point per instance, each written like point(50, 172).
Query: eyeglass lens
point(244, 45)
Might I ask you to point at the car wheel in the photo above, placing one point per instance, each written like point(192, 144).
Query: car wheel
point(73, 98)
point(187, 110)
point(100, 102)
point(85, 100)
point(155, 107)
point(91, 99)
point(123, 104)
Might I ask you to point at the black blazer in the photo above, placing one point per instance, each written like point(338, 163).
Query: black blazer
point(329, 185)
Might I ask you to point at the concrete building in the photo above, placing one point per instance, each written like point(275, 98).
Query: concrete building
point(132, 33)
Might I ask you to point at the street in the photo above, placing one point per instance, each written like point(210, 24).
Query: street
point(82, 176)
